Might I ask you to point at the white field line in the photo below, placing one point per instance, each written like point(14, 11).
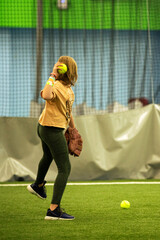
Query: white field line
point(82, 184)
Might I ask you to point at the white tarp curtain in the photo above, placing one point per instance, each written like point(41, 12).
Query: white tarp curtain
point(116, 146)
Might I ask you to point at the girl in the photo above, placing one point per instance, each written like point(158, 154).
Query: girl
point(55, 117)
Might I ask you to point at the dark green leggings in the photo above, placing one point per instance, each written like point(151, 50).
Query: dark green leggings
point(54, 147)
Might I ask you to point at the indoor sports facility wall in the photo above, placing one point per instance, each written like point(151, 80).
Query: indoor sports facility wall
point(116, 46)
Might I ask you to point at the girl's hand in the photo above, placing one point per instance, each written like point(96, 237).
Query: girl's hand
point(54, 72)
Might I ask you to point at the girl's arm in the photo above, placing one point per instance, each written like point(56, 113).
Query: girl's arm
point(47, 93)
point(71, 123)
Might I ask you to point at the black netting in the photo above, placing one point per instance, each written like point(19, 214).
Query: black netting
point(115, 44)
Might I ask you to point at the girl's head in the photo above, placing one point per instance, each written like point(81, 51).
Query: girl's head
point(70, 77)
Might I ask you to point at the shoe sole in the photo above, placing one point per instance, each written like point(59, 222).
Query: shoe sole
point(56, 218)
point(30, 189)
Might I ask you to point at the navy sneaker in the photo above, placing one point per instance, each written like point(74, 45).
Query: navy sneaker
point(58, 214)
point(38, 191)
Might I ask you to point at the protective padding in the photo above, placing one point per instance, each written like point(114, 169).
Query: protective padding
point(115, 146)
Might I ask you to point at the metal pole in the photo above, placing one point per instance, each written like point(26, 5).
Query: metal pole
point(150, 54)
point(39, 41)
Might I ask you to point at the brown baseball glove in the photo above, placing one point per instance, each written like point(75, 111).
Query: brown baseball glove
point(74, 141)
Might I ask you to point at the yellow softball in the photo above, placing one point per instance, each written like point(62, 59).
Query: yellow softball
point(63, 68)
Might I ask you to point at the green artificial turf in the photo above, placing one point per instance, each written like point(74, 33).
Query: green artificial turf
point(96, 209)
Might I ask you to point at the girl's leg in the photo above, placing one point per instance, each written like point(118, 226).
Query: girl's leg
point(55, 146)
point(64, 167)
point(47, 158)
point(61, 158)
point(44, 164)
